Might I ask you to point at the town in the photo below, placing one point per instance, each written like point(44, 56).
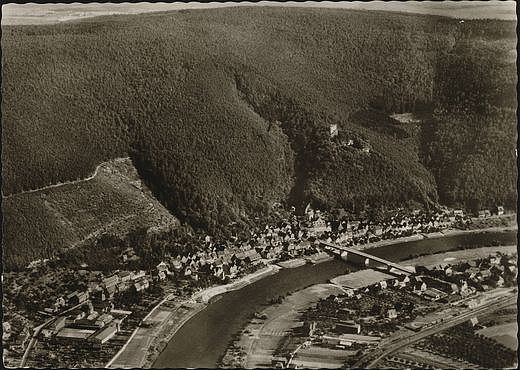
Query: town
point(56, 315)
point(382, 309)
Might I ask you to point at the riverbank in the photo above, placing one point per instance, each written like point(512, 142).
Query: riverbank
point(261, 337)
point(152, 341)
point(146, 343)
point(454, 257)
point(206, 294)
point(257, 342)
point(435, 235)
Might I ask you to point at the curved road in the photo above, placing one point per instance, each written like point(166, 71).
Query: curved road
point(66, 182)
point(38, 329)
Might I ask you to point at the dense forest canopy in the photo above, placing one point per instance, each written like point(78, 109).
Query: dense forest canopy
point(226, 111)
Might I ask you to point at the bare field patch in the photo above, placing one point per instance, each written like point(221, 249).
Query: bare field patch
point(38, 224)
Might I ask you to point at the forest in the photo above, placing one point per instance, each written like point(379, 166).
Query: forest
point(225, 112)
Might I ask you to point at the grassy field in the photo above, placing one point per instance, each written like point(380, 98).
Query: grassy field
point(37, 225)
point(505, 334)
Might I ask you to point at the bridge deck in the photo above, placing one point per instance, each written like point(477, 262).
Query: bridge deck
point(369, 256)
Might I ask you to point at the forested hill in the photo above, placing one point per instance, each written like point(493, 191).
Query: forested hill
point(225, 111)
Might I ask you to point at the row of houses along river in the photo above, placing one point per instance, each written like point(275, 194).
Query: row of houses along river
point(202, 340)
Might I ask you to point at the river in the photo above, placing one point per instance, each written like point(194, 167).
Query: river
point(203, 339)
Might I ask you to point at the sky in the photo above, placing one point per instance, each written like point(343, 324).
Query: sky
point(53, 13)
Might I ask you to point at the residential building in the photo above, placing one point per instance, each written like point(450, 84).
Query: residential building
point(141, 285)
point(125, 276)
point(333, 130)
point(392, 313)
point(110, 281)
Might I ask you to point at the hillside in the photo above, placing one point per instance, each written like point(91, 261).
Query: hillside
point(226, 111)
point(40, 224)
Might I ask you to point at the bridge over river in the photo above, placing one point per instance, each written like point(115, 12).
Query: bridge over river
point(344, 251)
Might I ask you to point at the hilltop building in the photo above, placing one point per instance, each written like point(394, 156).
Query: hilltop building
point(334, 130)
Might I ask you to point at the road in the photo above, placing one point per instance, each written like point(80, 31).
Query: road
point(38, 329)
point(136, 330)
point(294, 354)
point(400, 343)
point(66, 182)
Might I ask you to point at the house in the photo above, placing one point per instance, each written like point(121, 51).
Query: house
point(54, 327)
point(161, 275)
point(473, 303)
point(6, 330)
point(309, 212)
point(404, 282)
point(94, 315)
point(233, 270)
point(454, 288)
point(60, 302)
point(333, 130)
point(74, 316)
point(125, 276)
point(392, 313)
point(219, 273)
point(458, 213)
point(110, 281)
point(138, 275)
point(141, 285)
point(164, 267)
point(104, 306)
point(485, 273)
point(104, 319)
point(81, 297)
point(253, 255)
point(177, 265)
point(376, 230)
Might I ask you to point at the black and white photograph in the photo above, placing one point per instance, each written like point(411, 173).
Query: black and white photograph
point(305, 185)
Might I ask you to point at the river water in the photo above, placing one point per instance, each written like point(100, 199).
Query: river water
point(203, 339)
